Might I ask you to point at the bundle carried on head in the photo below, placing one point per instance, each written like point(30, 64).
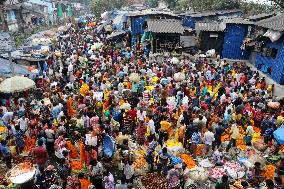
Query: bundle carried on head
point(179, 76)
point(134, 77)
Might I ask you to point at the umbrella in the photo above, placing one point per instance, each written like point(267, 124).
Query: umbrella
point(16, 84)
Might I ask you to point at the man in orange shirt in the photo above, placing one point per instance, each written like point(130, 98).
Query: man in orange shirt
point(165, 125)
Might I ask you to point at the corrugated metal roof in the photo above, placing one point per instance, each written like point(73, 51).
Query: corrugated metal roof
point(214, 13)
point(274, 23)
point(238, 21)
point(260, 16)
point(165, 26)
point(6, 41)
point(115, 34)
point(212, 26)
point(150, 12)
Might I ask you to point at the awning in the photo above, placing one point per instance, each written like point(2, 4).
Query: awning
point(115, 34)
point(165, 26)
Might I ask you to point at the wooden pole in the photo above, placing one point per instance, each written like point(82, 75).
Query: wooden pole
point(11, 62)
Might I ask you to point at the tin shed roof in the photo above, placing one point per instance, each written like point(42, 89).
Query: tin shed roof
point(213, 26)
point(165, 26)
point(274, 23)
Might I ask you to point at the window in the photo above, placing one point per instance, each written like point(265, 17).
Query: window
point(213, 35)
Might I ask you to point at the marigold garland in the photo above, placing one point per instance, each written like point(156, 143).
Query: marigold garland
point(73, 154)
point(187, 159)
point(84, 183)
point(268, 173)
point(76, 165)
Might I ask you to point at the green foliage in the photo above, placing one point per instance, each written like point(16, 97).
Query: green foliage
point(215, 5)
point(153, 3)
point(171, 3)
point(100, 6)
point(279, 3)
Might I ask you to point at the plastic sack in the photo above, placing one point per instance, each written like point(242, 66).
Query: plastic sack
point(179, 76)
point(134, 77)
point(274, 105)
point(211, 53)
point(279, 135)
point(108, 146)
point(175, 60)
point(90, 52)
point(176, 160)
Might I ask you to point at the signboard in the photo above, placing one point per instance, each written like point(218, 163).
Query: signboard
point(7, 43)
point(188, 41)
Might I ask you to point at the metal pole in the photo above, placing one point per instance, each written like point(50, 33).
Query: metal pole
point(11, 62)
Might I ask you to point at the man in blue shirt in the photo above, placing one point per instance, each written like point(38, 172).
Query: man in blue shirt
point(4, 149)
point(164, 158)
point(134, 88)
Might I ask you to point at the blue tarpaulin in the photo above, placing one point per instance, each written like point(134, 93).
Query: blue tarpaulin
point(108, 142)
point(5, 68)
point(279, 135)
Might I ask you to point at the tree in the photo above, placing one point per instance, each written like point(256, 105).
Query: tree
point(171, 3)
point(153, 3)
point(279, 3)
point(100, 6)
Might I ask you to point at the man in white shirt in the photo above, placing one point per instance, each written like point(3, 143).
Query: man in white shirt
point(151, 126)
point(23, 122)
point(208, 140)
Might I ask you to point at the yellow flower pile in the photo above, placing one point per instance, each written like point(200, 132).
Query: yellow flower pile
point(2, 129)
point(84, 89)
point(171, 143)
point(256, 136)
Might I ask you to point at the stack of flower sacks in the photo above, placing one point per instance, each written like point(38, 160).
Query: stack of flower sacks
point(140, 164)
point(199, 174)
point(175, 148)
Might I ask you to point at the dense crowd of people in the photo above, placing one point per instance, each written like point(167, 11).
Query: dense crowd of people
point(86, 95)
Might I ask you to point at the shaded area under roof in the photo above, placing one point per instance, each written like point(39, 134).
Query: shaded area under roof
point(165, 26)
point(274, 23)
point(115, 34)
